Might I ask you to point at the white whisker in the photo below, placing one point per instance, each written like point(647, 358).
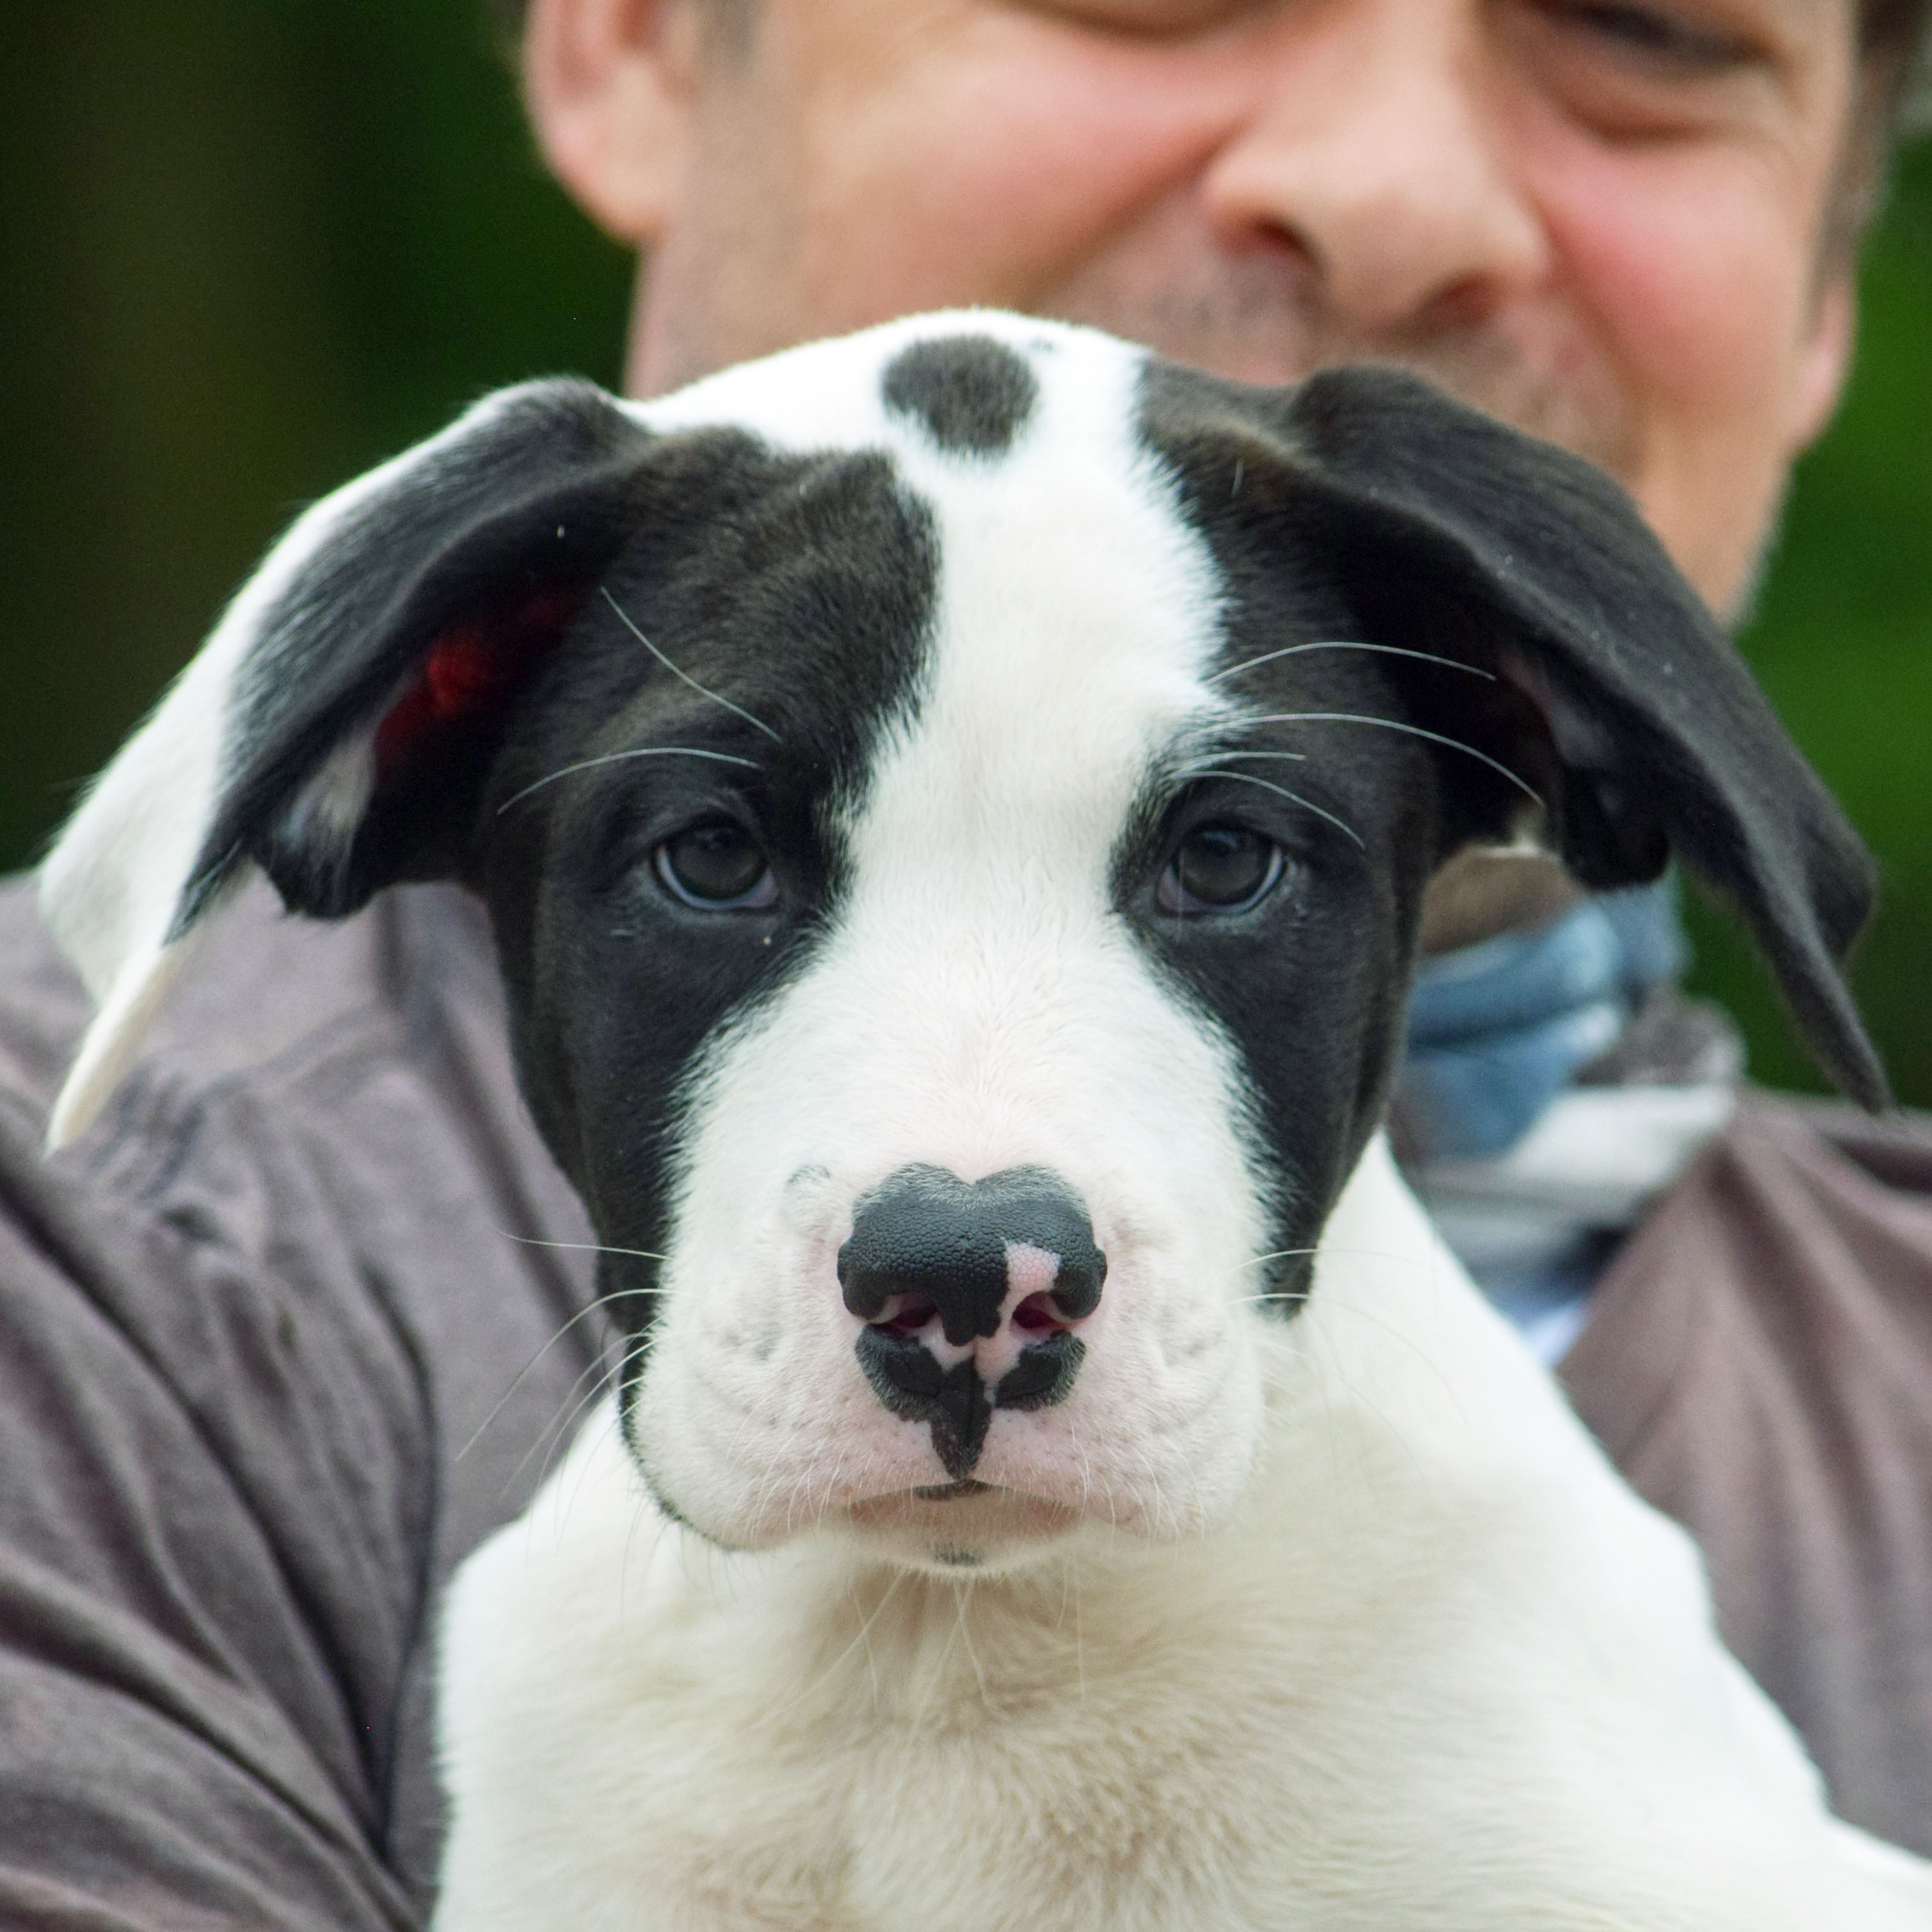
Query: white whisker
point(1280, 791)
point(601, 1377)
point(972, 1655)
point(589, 1308)
point(1396, 724)
point(1350, 644)
point(587, 1247)
point(826, 1676)
point(618, 757)
point(736, 710)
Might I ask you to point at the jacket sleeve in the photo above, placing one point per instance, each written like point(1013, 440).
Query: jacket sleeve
point(212, 1523)
point(1758, 1362)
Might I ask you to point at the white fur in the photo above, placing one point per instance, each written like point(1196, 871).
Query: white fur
point(1439, 1669)
point(826, 395)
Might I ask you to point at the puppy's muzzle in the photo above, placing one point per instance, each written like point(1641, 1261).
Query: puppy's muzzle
point(971, 1292)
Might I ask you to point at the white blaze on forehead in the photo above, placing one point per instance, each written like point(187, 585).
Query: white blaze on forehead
point(1077, 610)
point(1077, 613)
point(1076, 617)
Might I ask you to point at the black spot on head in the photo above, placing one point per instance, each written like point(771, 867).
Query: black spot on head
point(972, 394)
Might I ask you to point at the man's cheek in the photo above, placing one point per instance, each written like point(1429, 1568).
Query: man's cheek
point(1695, 266)
point(1694, 278)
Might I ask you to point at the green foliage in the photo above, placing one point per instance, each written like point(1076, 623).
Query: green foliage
point(253, 249)
point(1842, 642)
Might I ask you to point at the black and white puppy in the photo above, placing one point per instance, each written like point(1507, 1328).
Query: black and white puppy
point(955, 806)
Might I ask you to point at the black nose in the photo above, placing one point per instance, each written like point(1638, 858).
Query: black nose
point(926, 1233)
point(925, 1243)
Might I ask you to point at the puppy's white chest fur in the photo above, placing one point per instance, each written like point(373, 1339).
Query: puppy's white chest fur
point(1442, 1670)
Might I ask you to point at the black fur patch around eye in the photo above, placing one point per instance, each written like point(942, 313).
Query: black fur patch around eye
point(972, 395)
point(733, 546)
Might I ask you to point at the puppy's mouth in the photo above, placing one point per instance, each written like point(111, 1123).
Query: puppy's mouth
point(964, 1516)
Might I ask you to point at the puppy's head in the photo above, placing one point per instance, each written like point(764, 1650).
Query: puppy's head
point(955, 806)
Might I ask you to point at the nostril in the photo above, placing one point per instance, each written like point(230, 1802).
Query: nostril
point(1039, 1316)
point(905, 1315)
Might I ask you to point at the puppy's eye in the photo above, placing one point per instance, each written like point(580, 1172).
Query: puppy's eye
point(717, 868)
point(1220, 868)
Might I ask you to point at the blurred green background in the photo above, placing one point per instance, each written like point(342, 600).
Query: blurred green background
point(251, 249)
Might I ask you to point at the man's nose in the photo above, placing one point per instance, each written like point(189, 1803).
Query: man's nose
point(1375, 152)
point(971, 1293)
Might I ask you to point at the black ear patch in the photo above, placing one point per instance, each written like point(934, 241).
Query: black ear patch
point(972, 395)
point(432, 600)
point(1447, 532)
point(469, 669)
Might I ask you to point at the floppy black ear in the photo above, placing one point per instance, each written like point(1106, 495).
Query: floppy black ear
point(333, 725)
point(1454, 533)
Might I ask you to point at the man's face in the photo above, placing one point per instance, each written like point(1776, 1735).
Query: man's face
point(1600, 220)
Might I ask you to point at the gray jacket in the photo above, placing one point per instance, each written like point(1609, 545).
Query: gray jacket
point(290, 1330)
